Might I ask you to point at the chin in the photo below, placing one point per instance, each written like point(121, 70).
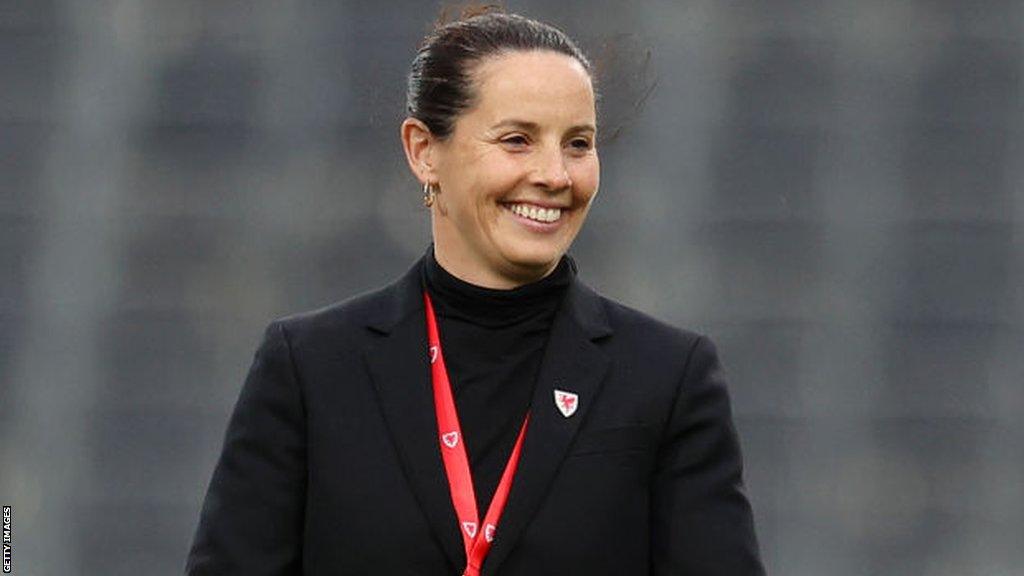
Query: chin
point(534, 260)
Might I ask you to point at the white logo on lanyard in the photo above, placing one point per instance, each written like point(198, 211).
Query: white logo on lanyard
point(450, 439)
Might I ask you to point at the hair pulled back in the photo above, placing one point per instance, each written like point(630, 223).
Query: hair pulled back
point(440, 81)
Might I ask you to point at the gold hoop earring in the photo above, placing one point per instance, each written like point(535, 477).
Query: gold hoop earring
point(428, 194)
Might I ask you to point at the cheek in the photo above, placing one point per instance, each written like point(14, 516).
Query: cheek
point(587, 177)
point(495, 181)
point(471, 173)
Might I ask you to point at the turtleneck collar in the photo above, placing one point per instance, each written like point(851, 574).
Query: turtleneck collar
point(456, 298)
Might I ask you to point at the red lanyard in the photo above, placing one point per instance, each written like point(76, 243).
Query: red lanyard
point(456, 464)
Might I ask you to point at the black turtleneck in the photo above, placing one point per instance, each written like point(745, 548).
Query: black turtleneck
point(493, 341)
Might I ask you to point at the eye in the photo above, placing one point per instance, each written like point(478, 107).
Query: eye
point(580, 144)
point(515, 141)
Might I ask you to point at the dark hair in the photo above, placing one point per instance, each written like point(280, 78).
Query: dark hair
point(440, 83)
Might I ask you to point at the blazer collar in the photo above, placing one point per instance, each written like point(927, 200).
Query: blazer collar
point(405, 296)
point(400, 370)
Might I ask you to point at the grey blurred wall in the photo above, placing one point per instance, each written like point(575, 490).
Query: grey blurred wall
point(831, 190)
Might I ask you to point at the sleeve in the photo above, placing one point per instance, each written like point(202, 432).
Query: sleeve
point(252, 518)
point(702, 521)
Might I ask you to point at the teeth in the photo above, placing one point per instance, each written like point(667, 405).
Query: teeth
point(535, 213)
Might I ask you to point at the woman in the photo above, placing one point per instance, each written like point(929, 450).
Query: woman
point(487, 413)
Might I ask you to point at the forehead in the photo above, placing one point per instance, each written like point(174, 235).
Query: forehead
point(541, 83)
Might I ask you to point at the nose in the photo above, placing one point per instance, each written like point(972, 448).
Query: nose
point(549, 170)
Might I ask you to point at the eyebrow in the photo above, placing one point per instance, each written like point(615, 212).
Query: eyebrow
point(533, 126)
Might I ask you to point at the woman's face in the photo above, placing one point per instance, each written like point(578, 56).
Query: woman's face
point(517, 174)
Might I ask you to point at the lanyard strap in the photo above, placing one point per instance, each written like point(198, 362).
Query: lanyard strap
point(456, 463)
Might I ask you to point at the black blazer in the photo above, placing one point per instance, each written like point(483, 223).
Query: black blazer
point(331, 464)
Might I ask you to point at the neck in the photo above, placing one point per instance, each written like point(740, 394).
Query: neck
point(467, 270)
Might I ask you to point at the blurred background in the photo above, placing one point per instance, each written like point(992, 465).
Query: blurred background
point(832, 191)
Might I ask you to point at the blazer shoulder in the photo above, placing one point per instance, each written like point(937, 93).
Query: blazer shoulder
point(356, 310)
point(629, 321)
point(352, 320)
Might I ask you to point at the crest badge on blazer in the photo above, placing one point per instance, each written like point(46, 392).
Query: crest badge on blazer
point(566, 402)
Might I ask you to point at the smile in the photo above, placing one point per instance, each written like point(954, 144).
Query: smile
point(536, 213)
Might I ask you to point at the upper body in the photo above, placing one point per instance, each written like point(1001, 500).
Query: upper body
point(334, 461)
point(331, 462)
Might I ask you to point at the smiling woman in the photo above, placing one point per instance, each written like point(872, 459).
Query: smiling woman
point(487, 413)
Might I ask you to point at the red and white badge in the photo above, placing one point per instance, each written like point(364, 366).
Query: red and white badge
point(450, 439)
point(566, 402)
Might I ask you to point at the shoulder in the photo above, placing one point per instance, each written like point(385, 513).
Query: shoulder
point(628, 321)
point(642, 336)
point(353, 319)
point(358, 310)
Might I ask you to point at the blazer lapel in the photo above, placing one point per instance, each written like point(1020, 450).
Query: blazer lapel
point(401, 374)
point(573, 363)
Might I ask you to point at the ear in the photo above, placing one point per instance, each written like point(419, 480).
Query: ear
point(420, 148)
